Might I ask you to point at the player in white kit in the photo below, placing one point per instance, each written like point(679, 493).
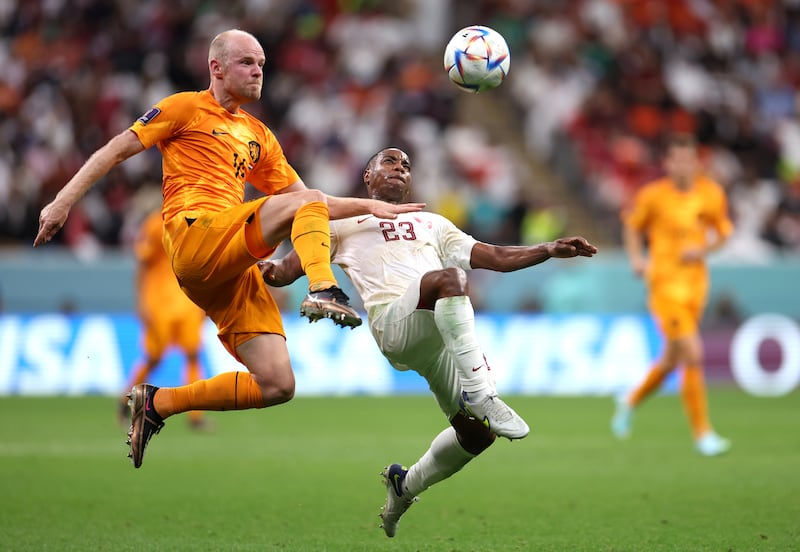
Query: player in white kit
point(410, 274)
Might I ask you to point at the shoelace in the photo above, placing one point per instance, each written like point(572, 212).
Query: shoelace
point(502, 411)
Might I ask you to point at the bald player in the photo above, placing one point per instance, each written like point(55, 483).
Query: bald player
point(210, 148)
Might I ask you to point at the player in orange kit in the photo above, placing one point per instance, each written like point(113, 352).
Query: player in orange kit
point(683, 217)
point(210, 148)
point(167, 316)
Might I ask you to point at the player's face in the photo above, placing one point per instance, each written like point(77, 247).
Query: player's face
point(243, 69)
point(681, 164)
point(389, 176)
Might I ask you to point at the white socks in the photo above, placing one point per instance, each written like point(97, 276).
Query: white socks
point(455, 319)
point(445, 457)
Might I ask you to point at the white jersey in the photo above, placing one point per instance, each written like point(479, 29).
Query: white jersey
point(382, 257)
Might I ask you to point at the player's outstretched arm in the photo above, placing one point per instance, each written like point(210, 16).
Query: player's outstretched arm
point(281, 272)
point(54, 214)
point(343, 207)
point(508, 258)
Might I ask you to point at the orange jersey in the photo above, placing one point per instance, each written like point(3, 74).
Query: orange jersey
point(674, 220)
point(209, 153)
point(159, 294)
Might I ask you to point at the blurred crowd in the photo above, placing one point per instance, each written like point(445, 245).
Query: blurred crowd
point(600, 84)
point(595, 86)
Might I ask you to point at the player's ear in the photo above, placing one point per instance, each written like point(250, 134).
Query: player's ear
point(216, 68)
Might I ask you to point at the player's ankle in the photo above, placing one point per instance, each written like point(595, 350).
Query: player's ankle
point(320, 286)
point(476, 394)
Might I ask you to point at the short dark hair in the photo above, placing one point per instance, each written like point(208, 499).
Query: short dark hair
point(372, 159)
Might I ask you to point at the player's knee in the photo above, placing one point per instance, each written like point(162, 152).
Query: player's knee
point(278, 394)
point(311, 196)
point(284, 393)
point(475, 442)
point(453, 281)
point(276, 390)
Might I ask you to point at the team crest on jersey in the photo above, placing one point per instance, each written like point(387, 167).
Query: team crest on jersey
point(149, 116)
point(255, 150)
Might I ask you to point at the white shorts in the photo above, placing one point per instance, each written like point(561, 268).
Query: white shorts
point(409, 339)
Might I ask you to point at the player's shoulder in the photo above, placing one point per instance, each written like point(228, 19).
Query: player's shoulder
point(252, 119)
point(706, 183)
point(189, 98)
point(349, 224)
point(428, 216)
point(656, 186)
point(257, 125)
point(434, 221)
point(653, 190)
point(179, 106)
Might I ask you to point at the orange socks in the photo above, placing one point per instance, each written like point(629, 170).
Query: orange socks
point(193, 375)
point(227, 391)
point(312, 241)
point(693, 393)
point(650, 384)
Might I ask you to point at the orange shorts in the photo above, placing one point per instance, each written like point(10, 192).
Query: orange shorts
point(676, 319)
point(217, 270)
point(165, 327)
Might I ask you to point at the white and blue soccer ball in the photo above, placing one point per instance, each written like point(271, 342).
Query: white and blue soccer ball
point(477, 59)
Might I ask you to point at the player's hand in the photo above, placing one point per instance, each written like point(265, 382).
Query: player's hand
point(276, 273)
point(51, 219)
point(281, 272)
point(693, 254)
point(386, 210)
point(271, 272)
point(639, 267)
point(575, 246)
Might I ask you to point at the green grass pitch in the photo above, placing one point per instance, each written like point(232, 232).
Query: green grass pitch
point(304, 476)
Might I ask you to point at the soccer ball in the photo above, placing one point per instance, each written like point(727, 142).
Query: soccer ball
point(477, 59)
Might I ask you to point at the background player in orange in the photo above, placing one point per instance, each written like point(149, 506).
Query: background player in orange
point(210, 148)
point(683, 218)
point(167, 316)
